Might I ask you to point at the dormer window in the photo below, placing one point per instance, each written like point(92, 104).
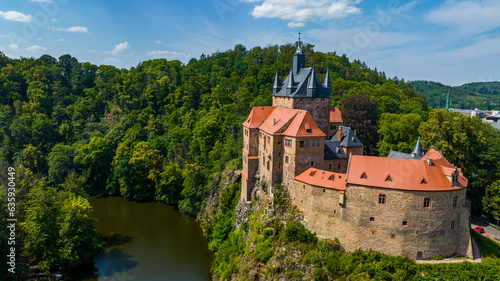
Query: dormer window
point(388, 178)
point(363, 176)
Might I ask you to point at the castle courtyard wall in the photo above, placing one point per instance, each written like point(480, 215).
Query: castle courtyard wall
point(428, 230)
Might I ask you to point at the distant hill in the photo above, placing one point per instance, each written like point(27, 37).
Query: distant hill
point(482, 95)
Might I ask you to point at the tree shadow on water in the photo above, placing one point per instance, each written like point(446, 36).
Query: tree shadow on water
point(115, 239)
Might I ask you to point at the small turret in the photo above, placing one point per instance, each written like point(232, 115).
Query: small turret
point(276, 87)
point(311, 84)
point(327, 80)
point(291, 83)
point(417, 150)
point(299, 59)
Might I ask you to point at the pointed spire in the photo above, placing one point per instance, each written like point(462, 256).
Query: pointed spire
point(291, 82)
point(276, 87)
point(417, 150)
point(327, 80)
point(312, 82)
point(299, 46)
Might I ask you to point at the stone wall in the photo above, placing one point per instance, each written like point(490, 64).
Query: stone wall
point(364, 223)
point(335, 165)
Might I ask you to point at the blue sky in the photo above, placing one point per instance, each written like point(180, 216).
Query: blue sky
point(453, 42)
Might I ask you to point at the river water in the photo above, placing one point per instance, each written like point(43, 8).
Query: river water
point(149, 242)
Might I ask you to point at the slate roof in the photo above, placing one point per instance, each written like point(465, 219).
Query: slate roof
point(333, 150)
point(349, 139)
point(302, 82)
point(405, 174)
point(416, 154)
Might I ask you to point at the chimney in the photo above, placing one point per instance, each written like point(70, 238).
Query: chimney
point(340, 133)
point(274, 121)
point(429, 161)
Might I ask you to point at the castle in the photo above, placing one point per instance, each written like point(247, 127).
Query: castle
point(412, 205)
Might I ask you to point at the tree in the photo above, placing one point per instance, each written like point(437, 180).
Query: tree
point(398, 132)
point(360, 113)
point(168, 189)
point(40, 227)
point(78, 240)
point(491, 199)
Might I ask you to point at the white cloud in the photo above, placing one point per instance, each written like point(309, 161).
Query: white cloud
point(36, 48)
point(304, 10)
point(60, 40)
point(13, 47)
point(77, 29)
point(81, 29)
point(16, 16)
point(171, 55)
point(468, 16)
point(111, 60)
point(296, 24)
point(120, 48)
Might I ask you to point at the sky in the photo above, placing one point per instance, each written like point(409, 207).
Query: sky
point(447, 41)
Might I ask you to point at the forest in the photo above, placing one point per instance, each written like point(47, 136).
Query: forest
point(482, 95)
point(163, 130)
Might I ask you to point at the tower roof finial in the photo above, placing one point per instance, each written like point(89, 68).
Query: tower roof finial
point(299, 47)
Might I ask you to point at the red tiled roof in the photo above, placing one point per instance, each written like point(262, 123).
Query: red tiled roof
point(303, 125)
point(404, 174)
point(257, 116)
point(322, 178)
point(335, 115)
point(277, 119)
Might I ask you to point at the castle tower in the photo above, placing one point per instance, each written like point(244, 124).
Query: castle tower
point(301, 89)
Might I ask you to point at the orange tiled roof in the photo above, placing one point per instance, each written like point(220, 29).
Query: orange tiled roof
point(257, 116)
point(303, 125)
point(335, 115)
point(322, 178)
point(404, 174)
point(277, 119)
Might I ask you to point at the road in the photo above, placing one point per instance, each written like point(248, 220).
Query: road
point(490, 232)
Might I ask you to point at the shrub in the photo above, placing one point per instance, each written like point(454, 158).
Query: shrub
point(297, 232)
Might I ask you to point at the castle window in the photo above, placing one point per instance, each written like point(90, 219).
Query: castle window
point(334, 212)
point(304, 187)
point(286, 159)
point(452, 224)
point(324, 190)
point(301, 144)
point(455, 201)
point(405, 223)
point(279, 153)
point(427, 202)
point(393, 236)
point(268, 140)
point(308, 130)
point(288, 142)
point(312, 99)
point(301, 99)
point(286, 174)
point(373, 231)
point(246, 132)
point(301, 201)
point(339, 166)
point(322, 99)
point(279, 143)
point(381, 198)
point(372, 219)
point(416, 232)
point(268, 166)
point(306, 144)
point(330, 167)
point(312, 163)
point(279, 166)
